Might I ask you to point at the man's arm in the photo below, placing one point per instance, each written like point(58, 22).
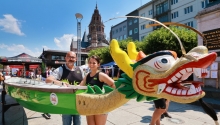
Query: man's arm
point(55, 75)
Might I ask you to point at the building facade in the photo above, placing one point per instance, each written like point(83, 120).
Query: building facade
point(208, 24)
point(133, 25)
point(119, 31)
point(180, 11)
point(56, 58)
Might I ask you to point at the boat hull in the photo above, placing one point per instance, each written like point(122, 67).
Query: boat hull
point(44, 98)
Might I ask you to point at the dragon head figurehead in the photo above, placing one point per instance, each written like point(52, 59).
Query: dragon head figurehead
point(162, 74)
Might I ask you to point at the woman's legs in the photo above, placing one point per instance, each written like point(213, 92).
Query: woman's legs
point(96, 119)
point(90, 120)
point(156, 116)
point(101, 119)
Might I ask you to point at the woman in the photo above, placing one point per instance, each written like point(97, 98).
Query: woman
point(161, 106)
point(95, 77)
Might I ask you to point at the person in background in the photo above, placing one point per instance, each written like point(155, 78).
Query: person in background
point(74, 74)
point(96, 77)
point(160, 108)
point(1, 78)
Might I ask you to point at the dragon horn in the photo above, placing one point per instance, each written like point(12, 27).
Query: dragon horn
point(121, 58)
point(132, 52)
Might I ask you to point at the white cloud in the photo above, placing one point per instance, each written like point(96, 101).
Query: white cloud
point(16, 49)
point(117, 13)
point(11, 25)
point(63, 43)
point(2, 46)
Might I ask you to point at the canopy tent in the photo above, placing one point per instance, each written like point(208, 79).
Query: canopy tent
point(20, 59)
point(110, 68)
point(110, 64)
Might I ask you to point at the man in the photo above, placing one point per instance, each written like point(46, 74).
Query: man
point(74, 75)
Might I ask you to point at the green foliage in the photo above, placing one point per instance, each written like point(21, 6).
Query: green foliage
point(1, 66)
point(103, 53)
point(162, 39)
point(126, 88)
point(43, 67)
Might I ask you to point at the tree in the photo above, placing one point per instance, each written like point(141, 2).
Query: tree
point(1, 66)
point(104, 53)
point(160, 39)
point(163, 39)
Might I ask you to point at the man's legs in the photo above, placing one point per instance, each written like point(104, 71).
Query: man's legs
point(76, 119)
point(67, 119)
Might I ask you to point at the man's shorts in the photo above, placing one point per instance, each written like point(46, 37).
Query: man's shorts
point(160, 103)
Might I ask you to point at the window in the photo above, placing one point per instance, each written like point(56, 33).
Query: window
point(135, 20)
point(130, 22)
point(142, 37)
point(189, 23)
point(121, 38)
point(117, 31)
point(135, 30)
point(58, 57)
point(163, 18)
point(174, 2)
point(204, 3)
point(143, 27)
point(188, 9)
point(150, 12)
point(161, 8)
point(120, 29)
point(143, 14)
point(125, 36)
point(130, 32)
point(174, 15)
point(151, 22)
point(124, 28)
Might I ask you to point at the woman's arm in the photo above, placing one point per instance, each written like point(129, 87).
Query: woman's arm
point(106, 79)
point(83, 82)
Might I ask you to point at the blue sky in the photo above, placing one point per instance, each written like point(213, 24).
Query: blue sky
point(31, 25)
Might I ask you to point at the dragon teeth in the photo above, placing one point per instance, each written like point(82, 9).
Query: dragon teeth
point(161, 87)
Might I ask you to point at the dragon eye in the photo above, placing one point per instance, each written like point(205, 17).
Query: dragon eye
point(163, 60)
point(161, 63)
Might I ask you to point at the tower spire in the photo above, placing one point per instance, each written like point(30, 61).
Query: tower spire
point(96, 6)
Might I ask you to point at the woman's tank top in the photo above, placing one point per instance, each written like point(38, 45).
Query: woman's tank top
point(94, 80)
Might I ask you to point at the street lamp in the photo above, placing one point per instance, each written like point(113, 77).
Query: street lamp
point(79, 17)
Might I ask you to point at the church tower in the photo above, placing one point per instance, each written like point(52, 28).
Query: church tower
point(72, 45)
point(96, 34)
